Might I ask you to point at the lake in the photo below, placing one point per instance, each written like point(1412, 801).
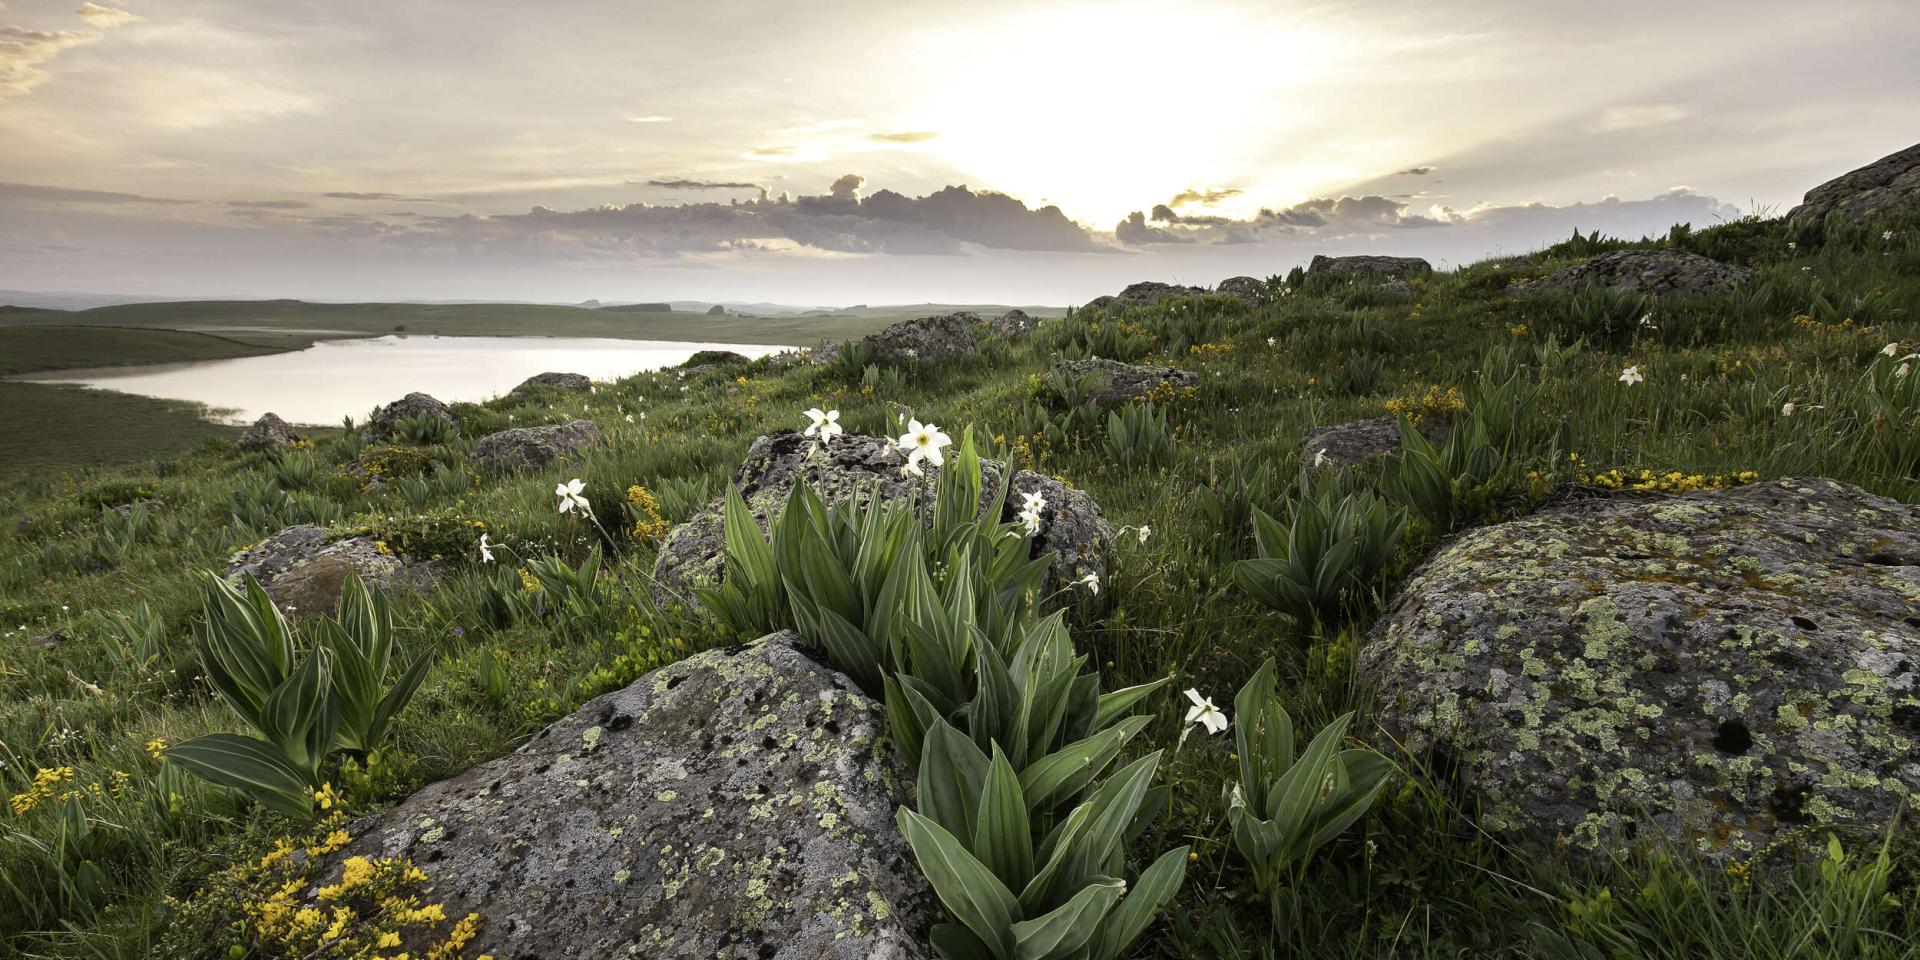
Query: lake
point(339, 378)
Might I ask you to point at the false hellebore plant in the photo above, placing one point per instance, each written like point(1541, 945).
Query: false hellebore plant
point(1020, 824)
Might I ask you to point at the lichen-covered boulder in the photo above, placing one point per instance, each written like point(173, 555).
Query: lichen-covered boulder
point(1656, 272)
point(519, 448)
point(1886, 189)
point(694, 552)
point(1117, 382)
point(386, 421)
point(303, 569)
point(926, 339)
point(716, 358)
point(1732, 671)
point(266, 432)
point(1351, 444)
point(550, 380)
point(1375, 268)
point(1248, 289)
point(1013, 323)
point(736, 805)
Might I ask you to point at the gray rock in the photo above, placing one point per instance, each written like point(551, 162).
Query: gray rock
point(1886, 189)
point(1656, 272)
point(386, 420)
point(519, 448)
point(1117, 382)
point(1369, 267)
point(268, 431)
point(738, 804)
point(1730, 671)
point(1248, 289)
point(552, 381)
point(1013, 323)
point(1351, 444)
point(693, 553)
point(926, 339)
point(717, 358)
point(303, 570)
point(716, 311)
point(1150, 292)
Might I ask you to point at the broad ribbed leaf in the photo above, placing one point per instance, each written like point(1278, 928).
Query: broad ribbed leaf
point(1157, 885)
point(251, 766)
point(1062, 931)
point(1115, 705)
point(952, 770)
point(1002, 836)
point(1061, 775)
point(970, 892)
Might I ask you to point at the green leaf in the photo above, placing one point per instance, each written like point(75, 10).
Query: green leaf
point(966, 887)
point(952, 770)
point(251, 766)
point(1116, 704)
point(1061, 775)
point(1157, 884)
point(1002, 835)
point(1066, 929)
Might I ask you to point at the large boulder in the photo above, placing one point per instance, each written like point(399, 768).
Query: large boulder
point(386, 420)
point(552, 381)
point(1886, 189)
point(694, 552)
point(303, 569)
point(716, 358)
point(267, 432)
point(927, 339)
point(1249, 289)
point(1656, 272)
point(1732, 671)
point(519, 448)
point(737, 804)
point(1351, 444)
point(1369, 268)
point(1013, 323)
point(1117, 382)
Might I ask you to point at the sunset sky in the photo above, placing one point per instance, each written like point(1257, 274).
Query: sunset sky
point(810, 153)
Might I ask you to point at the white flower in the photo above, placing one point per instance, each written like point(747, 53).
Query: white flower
point(1792, 246)
point(1786, 409)
point(1902, 372)
point(1031, 520)
point(1891, 349)
point(912, 354)
point(1887, 235)
point(629, 418)
point(570, 498)
point(923, 442)
point(1646, 320)
point(1204, 713)
point(1320, 457)
point(825, 425)
point(1144, 532)
point(486, 550)
point(1631, 376)
point(1272, 340)
point(1091, 581)
point(1033, 501)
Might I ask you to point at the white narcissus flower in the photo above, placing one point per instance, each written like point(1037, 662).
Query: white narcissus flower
point(629, 418)
point(1091, 581)
point(1033, 501)
point(1320, 458)
point(1886, 235)
point(1891, 349)
point(486, 550)
point(1204, 713)
point(1031, 520)
point(1144, 532)
point(1631, 376)
point(923, 442)
point(1786, 409)
point(570, 498)
point(825, 424)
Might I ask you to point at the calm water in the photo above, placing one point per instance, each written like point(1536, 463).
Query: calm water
point(338, 378)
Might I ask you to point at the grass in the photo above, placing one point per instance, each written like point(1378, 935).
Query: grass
point(1416, 879)
point(51, 429)
point(38, 349)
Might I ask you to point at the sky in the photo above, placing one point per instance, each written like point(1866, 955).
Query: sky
point(882, 151)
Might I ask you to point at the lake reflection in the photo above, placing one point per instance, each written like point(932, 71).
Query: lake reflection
point(339, 378)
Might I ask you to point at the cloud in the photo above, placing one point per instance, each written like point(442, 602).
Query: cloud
point(354, 195)
point(847, 187)
point(1202, 197)
point(105, 17)
point(682, 183)
point(270, 204)
point(825, 126)
point(904, 136)
point(1633, 116)
point(650, 119)
point(35, 192)
point(1414, 172)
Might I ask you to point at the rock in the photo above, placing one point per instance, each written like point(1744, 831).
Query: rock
point(552, 381)
point(926, 339)
point(1117, 382)
point(1243, 288)
point(1013, 323)
point(737, 804)
point(693, 553)
point(1150, 292)
point(1351, 444)
point(386, 420)
point(1101, 302)
point(127, 509)
point(1374, 268)
point(1397, 290)
point(716, 311)
point(1724, 670)
point(46, 641)
point(1886, 189)
point(303, 571)
point(268, 431)
point(520, 447)
point(1656, 272)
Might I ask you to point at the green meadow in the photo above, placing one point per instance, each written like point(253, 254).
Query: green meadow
point(109, 850)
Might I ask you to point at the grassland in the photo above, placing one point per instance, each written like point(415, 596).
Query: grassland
point(35, 349)
point(1415, 879)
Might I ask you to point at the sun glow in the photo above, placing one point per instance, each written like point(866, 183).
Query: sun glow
point(1107, 108)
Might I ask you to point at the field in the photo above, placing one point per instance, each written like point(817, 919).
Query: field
point(1786, 377)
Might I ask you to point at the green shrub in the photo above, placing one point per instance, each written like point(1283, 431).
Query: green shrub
point(1138, 436)
point(1319, 565)
point(1358, 376)
point(1441, 483)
